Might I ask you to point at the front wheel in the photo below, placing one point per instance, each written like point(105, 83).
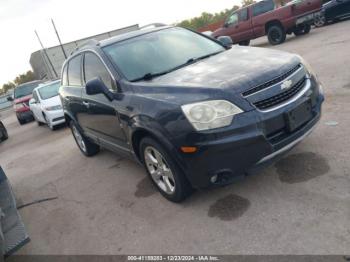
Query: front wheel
point(87, 147)
point(4, 132)
point(163, 171)
point(319, 20)
point(276, 34)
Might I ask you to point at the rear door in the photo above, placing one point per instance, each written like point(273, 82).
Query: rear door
point(304, 7)
point(102, 120)
point(245, 30)
point(261, 13)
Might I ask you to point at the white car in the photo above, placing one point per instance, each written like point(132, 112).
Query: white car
point(46, 105)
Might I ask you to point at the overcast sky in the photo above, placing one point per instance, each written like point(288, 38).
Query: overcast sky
point(81, 18)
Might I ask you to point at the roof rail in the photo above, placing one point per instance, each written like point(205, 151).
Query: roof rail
point(152, 25)
point(91, 42)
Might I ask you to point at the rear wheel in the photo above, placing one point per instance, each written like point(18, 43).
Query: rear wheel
point(244, 43)
point(163, 171)
point(276, 34)
point(302, 29)
point(87, 147)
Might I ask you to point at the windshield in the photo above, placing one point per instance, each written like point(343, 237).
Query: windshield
point(49, 91)
point(159, 52)
point(25, 89)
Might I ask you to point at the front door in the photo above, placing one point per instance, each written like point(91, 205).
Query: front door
point(102, 120)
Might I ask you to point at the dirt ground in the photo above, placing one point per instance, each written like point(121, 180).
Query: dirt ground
point(107, 205)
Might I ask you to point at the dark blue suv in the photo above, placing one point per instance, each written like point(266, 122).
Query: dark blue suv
point(194, 111)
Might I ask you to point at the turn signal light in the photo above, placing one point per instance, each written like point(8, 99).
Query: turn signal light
point(189, 149)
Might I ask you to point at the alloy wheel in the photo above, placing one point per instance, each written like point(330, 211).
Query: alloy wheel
point(159, 170)
point(319, 20)
point(79, 138)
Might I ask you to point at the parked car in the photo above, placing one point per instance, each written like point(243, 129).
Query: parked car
point(195, 112)
point(12, 232)
point(46, 105)
point(3, 132)
point(21, 96)
point(266, 18)
point(333, 10)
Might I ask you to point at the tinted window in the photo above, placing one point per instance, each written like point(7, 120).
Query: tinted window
point(64, 76)
point(263, 7)
point(25, 89)
point(159, 52)
point(93, 67)
point(49, 91)
point(243, 15)
point(233, 19)
point(74, 71)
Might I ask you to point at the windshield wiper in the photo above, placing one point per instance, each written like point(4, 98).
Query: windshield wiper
point(150, 76)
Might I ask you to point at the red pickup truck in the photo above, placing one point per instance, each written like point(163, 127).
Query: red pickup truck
point(269, 18)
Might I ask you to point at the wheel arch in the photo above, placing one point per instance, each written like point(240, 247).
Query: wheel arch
point(271, 23)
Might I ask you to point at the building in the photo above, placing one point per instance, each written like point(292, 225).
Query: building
point(45, 68)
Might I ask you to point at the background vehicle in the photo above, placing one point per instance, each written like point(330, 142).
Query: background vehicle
point(195, 112)
point(3, 132)
point(21, 96)
point(265, 18)
point(332, 11)
point(12, 232)
point(46, 105)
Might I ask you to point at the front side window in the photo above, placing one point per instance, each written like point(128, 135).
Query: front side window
point(49, 91)
point(263, 7)
point(233, 19)
point(93, 67)
point(74, 71)
point(35, 96)
point(159, 52)
point(64, 76)
point(25, 89)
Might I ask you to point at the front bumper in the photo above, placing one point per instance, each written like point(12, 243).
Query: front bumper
point(55, 117)
point(254, 138)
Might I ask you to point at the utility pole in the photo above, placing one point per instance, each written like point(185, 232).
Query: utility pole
point(59, 39)
point(48, 58)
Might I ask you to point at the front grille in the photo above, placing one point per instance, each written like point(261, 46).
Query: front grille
point(271, 82)
point(58, 118)
point(281, 97)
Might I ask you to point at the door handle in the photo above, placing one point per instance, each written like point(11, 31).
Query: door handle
point(87, 104)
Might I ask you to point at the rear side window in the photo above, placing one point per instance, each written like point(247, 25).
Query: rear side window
point(74, 71)
point(243, 15)
point(263, 7)
point(93, 67)
point(64, 76)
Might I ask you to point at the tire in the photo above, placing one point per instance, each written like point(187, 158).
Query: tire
point(276, 34)
point(302, 29)
point(87, 147)
point(244, 43)
point(171, 182)
point(320, 20)
point(3, 130)
point(21, 121)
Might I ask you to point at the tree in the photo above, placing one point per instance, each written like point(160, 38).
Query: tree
point(24, 78)
point(7, 87)
point(247, 2)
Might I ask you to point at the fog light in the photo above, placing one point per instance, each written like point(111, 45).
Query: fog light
point(213, 179)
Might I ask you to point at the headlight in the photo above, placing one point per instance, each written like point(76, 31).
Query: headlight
point(210, 114)
point(307, 66)
point(53, 108)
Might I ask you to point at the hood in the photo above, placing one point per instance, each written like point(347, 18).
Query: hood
point(52, 101)
point(23, 99)
point(238, 69)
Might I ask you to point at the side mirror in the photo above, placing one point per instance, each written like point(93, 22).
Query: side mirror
point(32, 101)
point(96, 86)
point(225, 41)
point(10, 98)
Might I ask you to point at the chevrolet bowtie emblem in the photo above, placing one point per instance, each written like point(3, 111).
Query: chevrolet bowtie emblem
point(286, 84)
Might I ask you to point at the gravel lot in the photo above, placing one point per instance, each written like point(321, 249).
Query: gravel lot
point(106, 204)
